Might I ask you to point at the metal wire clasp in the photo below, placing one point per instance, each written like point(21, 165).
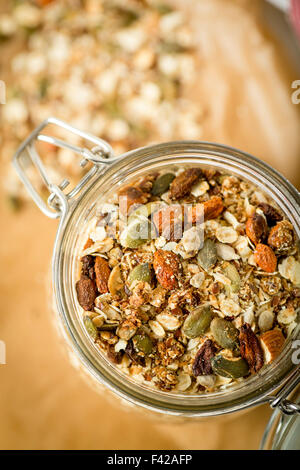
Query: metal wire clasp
point(58, 201)
point(280, 400)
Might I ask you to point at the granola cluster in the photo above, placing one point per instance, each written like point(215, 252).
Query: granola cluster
point(190, 281)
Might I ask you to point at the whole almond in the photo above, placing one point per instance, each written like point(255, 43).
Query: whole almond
point(183, 183)
point(256, 228)
point(210, 209)
point(168, 222)
point(265, 258)
point(167, 268)
point(102, 273)
point(272, 343)
point(213, 208)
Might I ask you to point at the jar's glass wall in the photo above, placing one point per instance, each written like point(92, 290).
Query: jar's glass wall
point(65, 271)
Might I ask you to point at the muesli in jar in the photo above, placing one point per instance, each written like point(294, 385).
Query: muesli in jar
point(190, 280)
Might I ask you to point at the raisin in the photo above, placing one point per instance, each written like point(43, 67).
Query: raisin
point(251, 349)
point(272, 215)
point(87, 268)
point(202, 361)
point(183, 183)
point(86, 292)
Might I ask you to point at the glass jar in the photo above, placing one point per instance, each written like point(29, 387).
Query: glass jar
point(272, 384)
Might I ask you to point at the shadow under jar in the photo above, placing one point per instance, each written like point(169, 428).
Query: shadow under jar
point(273, 383)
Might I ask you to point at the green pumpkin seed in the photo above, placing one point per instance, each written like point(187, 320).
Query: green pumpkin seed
point(162, 184)
point(231, 368)
point(108, 326)
point(231, 272)
point(90, 327)
point(136, 233)
point(145, 210)
point(197, 322)
point(142, 272)
point(225, 333)
point(142, 343)
point(207, 256)
point(115, 282)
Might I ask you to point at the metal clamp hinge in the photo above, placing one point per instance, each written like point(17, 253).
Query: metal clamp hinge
point(280, 400)
point(57, 204)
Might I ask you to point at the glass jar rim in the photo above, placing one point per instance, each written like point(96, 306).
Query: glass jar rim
point(252, 391)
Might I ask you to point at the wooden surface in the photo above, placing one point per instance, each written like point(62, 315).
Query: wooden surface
point(44, 402)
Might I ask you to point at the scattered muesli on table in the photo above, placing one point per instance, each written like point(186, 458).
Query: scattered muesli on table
point(141, 63)
point(190, 281)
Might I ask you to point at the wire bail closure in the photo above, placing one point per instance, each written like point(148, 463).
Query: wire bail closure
point(280, 400)
point(58, 201)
